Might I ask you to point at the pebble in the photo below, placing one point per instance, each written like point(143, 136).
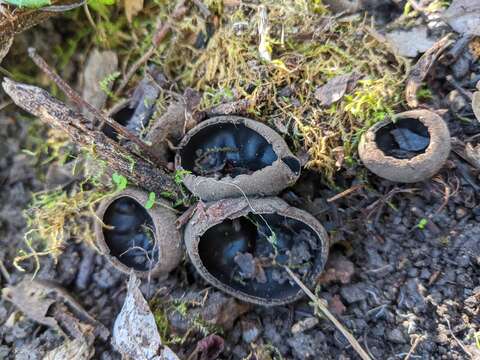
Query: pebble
point(305, 324)
point(353, 293)
point(250, 331)
point(456, 100)
point(396, 336)
point(105, 279)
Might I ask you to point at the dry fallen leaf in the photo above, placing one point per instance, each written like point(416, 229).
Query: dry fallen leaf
point(50, 305)
point(476, 104)
point(411, 42)
point(472, 153)
point(5, 47)
point(335, 88)
point(32, 300)
point(135, 334)
point(464, 16)
point(100, 65)
point(132, 8)
point(420, 70)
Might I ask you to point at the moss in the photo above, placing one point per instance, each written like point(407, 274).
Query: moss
point(304, 57)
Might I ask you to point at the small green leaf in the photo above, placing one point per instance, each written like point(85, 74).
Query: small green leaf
point(120, 181)
point(422, 223)
point(180, 175)
point(151, 200)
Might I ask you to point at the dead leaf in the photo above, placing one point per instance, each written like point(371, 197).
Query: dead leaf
point(264, 47)
point(32, 300)
point(472, 154)
point(411, 42)
point(135, 334)
point(420, 70)
point(338, 268)
point(48, 304)
point(5, 47)
point(78, 349)
point(209, 348)
point(335, 88)
point(132, 8)
point(476, 104)
point(464, 16)
point(100, 64)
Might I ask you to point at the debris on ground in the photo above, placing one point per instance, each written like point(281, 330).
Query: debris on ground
point(135, 334)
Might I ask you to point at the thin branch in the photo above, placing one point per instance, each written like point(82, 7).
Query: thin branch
point(355, 344)
point(81, 131)
point(80, 103)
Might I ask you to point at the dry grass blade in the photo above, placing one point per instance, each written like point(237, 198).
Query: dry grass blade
point(355, 344)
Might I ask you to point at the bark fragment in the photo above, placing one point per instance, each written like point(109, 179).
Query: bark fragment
point(53, 112)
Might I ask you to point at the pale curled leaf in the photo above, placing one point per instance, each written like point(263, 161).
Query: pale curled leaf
point(464, 16)
point(472, 153)
point(411, 42)
point(100, 65)
point(476, 104)
point(335, 88)
point(135, 333)
point(264, 48)
point(33, 300)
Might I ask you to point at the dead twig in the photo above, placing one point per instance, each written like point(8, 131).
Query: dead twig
point(458, 341)
point(82, 104)
point(421, 69)
point(417, 341)
point(346, 192)
point(80, 130)
point(355, 344)
point(161, 32)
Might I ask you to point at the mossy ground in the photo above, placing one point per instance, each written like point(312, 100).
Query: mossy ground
point(220, 58)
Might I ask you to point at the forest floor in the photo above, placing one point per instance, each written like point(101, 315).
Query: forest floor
point(403, 274)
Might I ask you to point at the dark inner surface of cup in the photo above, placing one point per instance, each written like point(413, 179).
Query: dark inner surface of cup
point(123, 117)
point(248, 254)
point(226, 149)
point(132, 239)
point(403, 139)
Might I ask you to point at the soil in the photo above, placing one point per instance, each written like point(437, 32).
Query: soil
point(403, 274)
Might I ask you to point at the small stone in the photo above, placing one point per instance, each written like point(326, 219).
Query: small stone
point(353, 293)
point(456, 100)
point(338, 268)
point(105, 279)
point(425, 274)
point(396, 336)
point(305, 324)
point(250, 331)
point(460, 212)
point(336, 305)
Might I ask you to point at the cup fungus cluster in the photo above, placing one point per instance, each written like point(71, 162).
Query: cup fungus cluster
point(411, 147)
point(241, 237)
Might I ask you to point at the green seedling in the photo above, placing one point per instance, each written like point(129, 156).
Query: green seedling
point(120, 181)
point(422, 223)
point(151, 200)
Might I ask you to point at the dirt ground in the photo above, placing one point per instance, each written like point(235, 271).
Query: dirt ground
point(406, 288)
